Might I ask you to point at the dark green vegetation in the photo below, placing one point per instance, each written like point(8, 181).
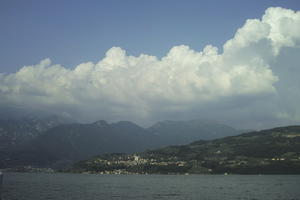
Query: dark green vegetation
point(56, 145)
point(274, 151)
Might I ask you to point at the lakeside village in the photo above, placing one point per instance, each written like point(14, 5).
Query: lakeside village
point(153, 164)
point(126, 164)
point(135, 164)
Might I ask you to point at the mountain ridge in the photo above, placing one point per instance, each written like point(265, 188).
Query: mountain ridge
point(270, 151)
point(75, 141)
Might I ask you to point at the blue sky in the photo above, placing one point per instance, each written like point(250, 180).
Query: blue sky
point(233, 61)
point(72, 32)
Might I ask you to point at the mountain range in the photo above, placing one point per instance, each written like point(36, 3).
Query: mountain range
point(57, 143)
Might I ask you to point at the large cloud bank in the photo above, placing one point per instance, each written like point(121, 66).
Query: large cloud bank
point(234, 84)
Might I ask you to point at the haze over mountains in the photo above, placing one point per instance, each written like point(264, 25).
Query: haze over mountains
point(56, 142)
point(184, 132)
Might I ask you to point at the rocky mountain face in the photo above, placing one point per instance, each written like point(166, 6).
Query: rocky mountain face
point(16, 132)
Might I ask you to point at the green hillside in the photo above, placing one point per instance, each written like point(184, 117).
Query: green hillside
point(273, 151)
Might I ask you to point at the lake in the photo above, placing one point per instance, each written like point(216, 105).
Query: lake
point(61, 186)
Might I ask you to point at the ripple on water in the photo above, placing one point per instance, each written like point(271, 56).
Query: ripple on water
point(19, 186)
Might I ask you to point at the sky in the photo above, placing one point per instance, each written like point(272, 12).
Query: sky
point(232, 61)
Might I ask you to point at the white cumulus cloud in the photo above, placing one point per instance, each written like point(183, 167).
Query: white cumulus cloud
point(121, 86)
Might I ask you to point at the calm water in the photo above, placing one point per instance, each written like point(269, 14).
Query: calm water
point(26, 186)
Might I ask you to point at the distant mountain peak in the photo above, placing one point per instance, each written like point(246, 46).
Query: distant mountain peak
point(101, 123)
point(125, 123)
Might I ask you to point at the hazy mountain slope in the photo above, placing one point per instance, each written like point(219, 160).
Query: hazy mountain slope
point(184, 132)
point(273, 151)
point(71, 142)
point(15, 132)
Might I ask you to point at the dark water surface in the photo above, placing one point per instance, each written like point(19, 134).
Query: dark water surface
point(59, 186)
